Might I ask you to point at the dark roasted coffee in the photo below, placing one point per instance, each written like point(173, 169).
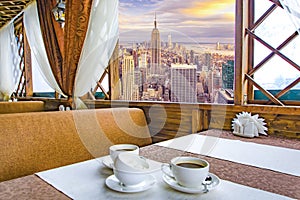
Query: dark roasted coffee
point(190, 165)
point(125, 149)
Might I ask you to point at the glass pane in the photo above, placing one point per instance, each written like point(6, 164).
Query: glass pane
point(292, 95)
point(276, 28)
point(260, 52)
point(38, 80)
point(99, 93)
point(292, 50)
point(261, 6)
point(276, 74)
point(104, 83)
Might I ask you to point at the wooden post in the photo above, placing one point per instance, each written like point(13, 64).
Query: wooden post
point(196, 121)
point(206, 119)
point(240, 51)
point(28, 67)
point(248, 87)
point(114, 78)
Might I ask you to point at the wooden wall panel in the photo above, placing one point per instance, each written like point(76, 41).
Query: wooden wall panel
point(285, 125)
point(281, 121)
point(169, 120)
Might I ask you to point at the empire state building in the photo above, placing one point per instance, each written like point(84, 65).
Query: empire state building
point(155, 51)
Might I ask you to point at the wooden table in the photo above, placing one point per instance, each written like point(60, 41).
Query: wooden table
point(32, 187)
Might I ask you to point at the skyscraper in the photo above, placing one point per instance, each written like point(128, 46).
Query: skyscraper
point(170, 44)
point(155, 50)
point(128, 77)
point(183, 83)
point(228, 74)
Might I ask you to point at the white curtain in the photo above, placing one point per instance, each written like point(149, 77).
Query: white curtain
point(35, 40)
point(8, 61)
point(292, 7)
point(99, 44)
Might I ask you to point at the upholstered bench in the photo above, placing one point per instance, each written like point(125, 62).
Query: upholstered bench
point(37, 141)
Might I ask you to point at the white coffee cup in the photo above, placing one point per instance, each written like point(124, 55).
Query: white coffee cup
point(115, 150)
point(131, 162)
point(187, 171)
point(130, 169)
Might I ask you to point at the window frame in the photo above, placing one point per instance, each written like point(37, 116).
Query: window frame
point(244, 56)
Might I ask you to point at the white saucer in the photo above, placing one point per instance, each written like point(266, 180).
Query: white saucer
point(173, 184)
point(113, 183)
point(153, 165)
point(107, 162)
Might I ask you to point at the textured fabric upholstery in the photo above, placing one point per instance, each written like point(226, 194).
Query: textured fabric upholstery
point(21, 106)
point(37, 141)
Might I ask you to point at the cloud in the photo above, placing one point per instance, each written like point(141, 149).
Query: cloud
point(211, 20)
point(209, 7)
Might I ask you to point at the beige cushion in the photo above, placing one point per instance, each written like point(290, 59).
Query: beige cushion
point(21, 106)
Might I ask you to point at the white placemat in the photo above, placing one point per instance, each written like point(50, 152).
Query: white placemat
point(264, 156)
point(86, 180)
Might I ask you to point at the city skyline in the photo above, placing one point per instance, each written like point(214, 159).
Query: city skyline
point(194, 21)
point(159, 71)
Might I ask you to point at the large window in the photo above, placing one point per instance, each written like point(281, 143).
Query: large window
point(216, 51)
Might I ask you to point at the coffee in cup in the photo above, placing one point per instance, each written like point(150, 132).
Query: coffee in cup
point(187, 171)
point(115, 150)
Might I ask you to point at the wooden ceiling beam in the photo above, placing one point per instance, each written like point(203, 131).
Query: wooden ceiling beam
point(10, 9)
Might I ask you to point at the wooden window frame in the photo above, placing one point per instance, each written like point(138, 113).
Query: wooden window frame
point(244, 56)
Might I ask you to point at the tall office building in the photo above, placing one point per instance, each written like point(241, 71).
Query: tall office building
point(155, 50)
point(214, 83)
point(228, 74)
point(142, 60)
point(127, 77)
point(170, 44)
point(143, 69)
point(207, 60)
point(183, 83)
point(192, 57)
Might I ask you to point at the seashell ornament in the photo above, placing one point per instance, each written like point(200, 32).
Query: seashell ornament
point(248, 126)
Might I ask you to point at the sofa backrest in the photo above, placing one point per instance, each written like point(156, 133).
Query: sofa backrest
point(37, 141)
point(21, 106)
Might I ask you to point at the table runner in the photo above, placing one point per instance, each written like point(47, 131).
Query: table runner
point(86, 180)
point(264, 156)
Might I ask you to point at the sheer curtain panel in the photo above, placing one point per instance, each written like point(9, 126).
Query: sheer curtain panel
point(8, 61)
point(292, 7)
point(52, 35)
point(35, 40)
point(99, 44)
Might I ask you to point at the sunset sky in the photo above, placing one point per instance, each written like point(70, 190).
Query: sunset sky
point(186, 20)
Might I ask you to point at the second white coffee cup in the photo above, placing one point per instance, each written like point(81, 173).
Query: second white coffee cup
point(187, 171)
